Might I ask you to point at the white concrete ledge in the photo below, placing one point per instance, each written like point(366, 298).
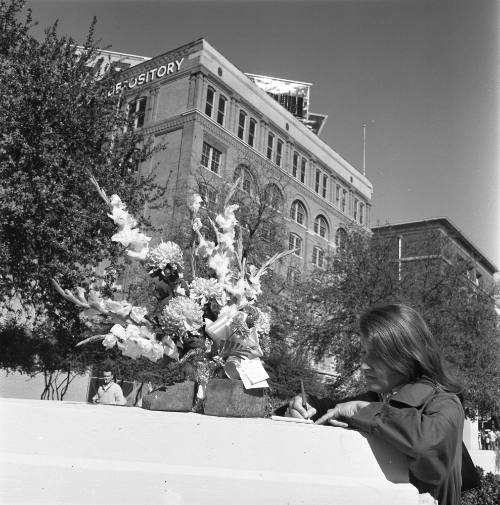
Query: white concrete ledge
point(75, 453)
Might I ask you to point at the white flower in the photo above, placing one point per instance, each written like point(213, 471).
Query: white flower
point(139, 255)
point(220, 264)
point(125, 236)
point(226, 239)
point(155, 352)
point(118, 331)
point(139, 241)
point(115, 201)
point(122, 218)
point(137, 314)
point(169, 348)
point(195, 202)
point(165, 253)
point(227, 219)
point(205, 248)
point(197, 225)
point(131, 349)
point(121, 308)
point(237, 288)
point(182, 314)
point(109, 341)
point(202, 290)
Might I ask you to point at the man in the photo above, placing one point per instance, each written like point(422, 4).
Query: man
point(109, 393)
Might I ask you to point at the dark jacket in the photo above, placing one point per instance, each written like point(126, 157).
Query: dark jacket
point(425, 423)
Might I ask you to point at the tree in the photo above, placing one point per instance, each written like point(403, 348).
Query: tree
point(58, 121)
point(364, 271)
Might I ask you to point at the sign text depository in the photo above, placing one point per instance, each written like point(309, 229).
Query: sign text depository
point(150, 75)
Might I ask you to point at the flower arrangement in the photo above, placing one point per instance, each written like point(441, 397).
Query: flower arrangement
point(213, 322)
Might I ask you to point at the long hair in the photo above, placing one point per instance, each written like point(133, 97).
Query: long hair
point(402, 340)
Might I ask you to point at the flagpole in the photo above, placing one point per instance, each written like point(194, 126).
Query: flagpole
point(364, 148)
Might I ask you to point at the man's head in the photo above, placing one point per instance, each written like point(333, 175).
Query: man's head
point(108, 376)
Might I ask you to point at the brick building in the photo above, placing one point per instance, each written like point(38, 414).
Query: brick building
point(431, 242)
point(215, 122)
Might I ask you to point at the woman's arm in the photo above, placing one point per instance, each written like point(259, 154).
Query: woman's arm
point(430, 436)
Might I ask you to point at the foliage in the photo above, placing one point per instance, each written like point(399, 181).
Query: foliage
point(488, 492)
point(364, 271)
point(57, 120)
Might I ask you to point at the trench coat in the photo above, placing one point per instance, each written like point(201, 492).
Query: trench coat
point(423, 422)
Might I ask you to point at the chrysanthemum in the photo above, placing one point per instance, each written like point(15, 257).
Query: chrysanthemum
point(165, 253)
point(182, 314)
point(202, 290)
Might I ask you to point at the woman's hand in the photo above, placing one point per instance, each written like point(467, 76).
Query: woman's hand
point(295, 409)
point(345, 410)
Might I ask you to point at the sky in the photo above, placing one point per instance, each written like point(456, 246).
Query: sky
point(423, 75)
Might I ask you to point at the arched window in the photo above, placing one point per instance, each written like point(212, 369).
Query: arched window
point(295, 244)
point(340, 237)
point(273, 197)
point(298, 212)
point(318, 257)
point(321, 227)
point(247, 182)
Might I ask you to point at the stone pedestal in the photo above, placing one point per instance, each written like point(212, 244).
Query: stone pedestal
point(175, 398)
point(229, 398)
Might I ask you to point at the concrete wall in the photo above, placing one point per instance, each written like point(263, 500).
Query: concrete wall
point(17, 385)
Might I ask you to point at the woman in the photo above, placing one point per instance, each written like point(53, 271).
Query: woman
point(412, 403)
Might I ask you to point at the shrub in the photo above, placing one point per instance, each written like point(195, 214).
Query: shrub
point(488, 493)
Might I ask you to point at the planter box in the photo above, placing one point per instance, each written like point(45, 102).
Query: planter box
point(176, 398)
point(229, 398)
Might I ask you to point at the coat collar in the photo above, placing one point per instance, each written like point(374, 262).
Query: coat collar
point(414, 394)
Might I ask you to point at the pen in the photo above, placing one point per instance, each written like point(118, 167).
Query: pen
point(303, 394)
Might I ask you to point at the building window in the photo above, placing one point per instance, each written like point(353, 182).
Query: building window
point(273, 197)
point(251, 132)
point(343, 200)
point(318, 257)
point(340, 237)
point(221, 110)
point(270, 146)
point(355, 211)
point(279, 152)
point(479, 280)
point(242, 121)
point(295, 164)
point(209, 196)
point(209, 104)
point(303, 167)
point(137, 112)
point(298, 212)
point(361, 213)
point(299, 173)
point(321, 183)
point(295, 244)
point(337, 195)
point(292, 275)
point(210, 158)
point(321, 227)
point(247, 182)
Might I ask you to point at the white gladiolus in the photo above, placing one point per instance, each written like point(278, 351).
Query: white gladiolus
point(195, 203)
point(137, 314)
point(109, 341)
point(119, 331)
point(122, 218)
point(116, 201)
point(121, 308)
